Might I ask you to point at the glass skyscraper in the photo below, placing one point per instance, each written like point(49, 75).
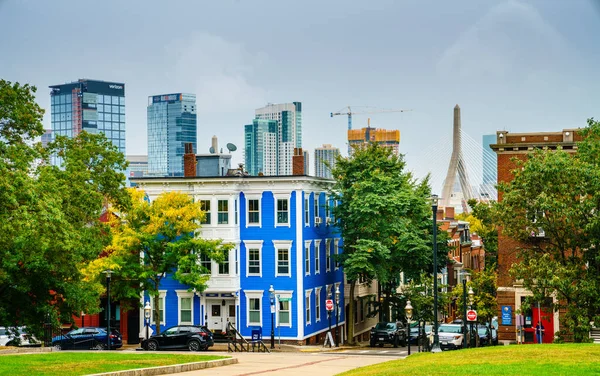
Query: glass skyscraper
point(325, 160)
point(490, 163)
point(261, 147)
point(171, 124)
point(89, 105)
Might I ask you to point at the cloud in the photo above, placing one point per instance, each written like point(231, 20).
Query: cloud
point(509, 37)
point(217, 71)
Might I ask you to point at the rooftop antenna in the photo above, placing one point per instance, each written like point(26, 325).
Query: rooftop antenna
point(231, 147)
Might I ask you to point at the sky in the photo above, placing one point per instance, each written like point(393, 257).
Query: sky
point(516, 65)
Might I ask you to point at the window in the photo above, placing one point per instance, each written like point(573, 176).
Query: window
point(224, 267)
point(317, 254)
point(253, 303)
point(316, 203)
point(317, 304)
point(306, 212)
point(328, 255)
point(205, 207)
point(282, 211)
point(327, 207)
point(206, 263)
point(254, 211)
point(307, 295)
point(235, 207)
point(223, 212)
point(284, 312)
point(253, 252)
point(307, 257)
point(161, 307)
point(336, 250)
point(282, 255)
point(362, 309)
point(185, 306)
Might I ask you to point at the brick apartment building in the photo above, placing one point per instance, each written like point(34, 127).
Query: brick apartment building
point(511, 293)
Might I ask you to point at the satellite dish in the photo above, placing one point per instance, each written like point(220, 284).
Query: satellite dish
point(211, 150)
point(231, 147)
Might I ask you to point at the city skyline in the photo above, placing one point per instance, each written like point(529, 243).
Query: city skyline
point(514, 65)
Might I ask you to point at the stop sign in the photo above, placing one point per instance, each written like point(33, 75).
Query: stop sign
point(329, 304)
point(471, 315)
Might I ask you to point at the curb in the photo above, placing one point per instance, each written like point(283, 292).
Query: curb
point(164, 370)
point(25, 350)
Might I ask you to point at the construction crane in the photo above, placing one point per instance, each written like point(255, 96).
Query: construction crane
point(362, 110)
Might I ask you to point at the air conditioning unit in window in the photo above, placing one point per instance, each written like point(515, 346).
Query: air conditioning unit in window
point(328, 220)
point(318, 221)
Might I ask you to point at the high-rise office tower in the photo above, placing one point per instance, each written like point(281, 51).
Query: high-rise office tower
point(46, 137)
point(306, 163)
point(325, 160)
point(171, 124)
point(289, 131)
point(89, 105)
point(260, 141)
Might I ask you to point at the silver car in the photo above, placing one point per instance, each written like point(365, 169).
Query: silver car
point(451, 336)
point(17, 337)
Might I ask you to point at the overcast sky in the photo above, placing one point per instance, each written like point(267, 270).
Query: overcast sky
point(528, 65)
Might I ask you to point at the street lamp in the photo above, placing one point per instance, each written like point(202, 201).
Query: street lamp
point(337, 314)
point(272, 299)
point(471, 296)
point(108, 273)
point(464, 283)
point(329, 315)
point(436, 339)
point(147, 310)
point(82, 319)
point(409, 312)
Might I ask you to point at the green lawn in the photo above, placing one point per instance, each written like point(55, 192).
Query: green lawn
point(83, 363)
point(567, 359)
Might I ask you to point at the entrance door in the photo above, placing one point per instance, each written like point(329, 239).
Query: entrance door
point(231, 313)
point(547, 319)
point(215, 317)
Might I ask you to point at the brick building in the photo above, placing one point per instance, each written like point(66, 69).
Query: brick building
point(511, 293)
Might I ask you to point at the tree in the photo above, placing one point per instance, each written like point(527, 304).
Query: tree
point(551, 207)
point(384, 218)
point(481, 221)
point(154, 239)
point(49, 215)
point(420, 293)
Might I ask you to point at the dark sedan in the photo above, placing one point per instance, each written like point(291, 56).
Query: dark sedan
point(191, 337)
point(88, 338)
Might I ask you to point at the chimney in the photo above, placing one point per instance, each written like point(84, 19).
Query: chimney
point(189, 161)
point(298, 162)
point(449, 212)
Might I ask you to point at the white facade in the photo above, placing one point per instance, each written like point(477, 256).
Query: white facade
point(325, 160)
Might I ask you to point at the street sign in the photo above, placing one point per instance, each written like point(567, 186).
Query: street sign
point(471, 315)
point(329, 304)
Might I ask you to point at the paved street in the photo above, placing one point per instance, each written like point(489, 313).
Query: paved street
point(294, 364)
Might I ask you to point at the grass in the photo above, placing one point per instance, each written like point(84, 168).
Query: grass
point(566, 359)
point(84, 363)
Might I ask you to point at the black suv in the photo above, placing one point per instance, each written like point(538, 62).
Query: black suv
point(393, 333)
point(191, 337)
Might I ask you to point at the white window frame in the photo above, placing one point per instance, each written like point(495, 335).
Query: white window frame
point(317, 304)
point(254, 197)
point(162, 294)
point(285, 294)
point(227, 262)
point(219, 199)
point(336, 250)
point(254, 294)
point(307, 312)
point(317, 254)
point(307, 244)
point(287, 197)
point(327, 255)
point(253, 244)
point(315, 206)
point(283, 244)
point(306, 211)
point(184, 294)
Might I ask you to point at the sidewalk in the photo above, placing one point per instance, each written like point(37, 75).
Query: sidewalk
point(283, 348)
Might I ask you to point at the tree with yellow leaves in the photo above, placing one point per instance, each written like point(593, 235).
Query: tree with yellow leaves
point(155, 239)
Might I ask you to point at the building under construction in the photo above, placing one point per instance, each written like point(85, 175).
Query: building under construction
point(384, 137)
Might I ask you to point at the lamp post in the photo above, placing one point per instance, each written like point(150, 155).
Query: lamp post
point(471, 295)
point(409, 312)
point(272, 299)
point(464, 283)
point(329, 313)
point(337, 314)
point(82, 319)
point(108, 273)
point(147, 310)
point(436, 339)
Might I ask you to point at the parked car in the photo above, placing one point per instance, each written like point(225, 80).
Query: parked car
point(450, 336)
point(393, 333)
point(191, 337)
point(484, 334)
point(87, 338)
point(17, 337)
point(494, 330)
point(426, 332)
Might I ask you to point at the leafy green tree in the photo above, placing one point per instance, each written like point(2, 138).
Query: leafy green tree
point(551, 207)
point(481, 221)
point(420, 293)
point(50, 216)
point(385, 220)
point(154, 239)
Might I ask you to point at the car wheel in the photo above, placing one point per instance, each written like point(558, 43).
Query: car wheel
point(372, 344)
point(403, 343)
point(152, 346)
point(57, 347)
point(381, 345)
point(194, 345)
point(396, 341)
point(99, 346)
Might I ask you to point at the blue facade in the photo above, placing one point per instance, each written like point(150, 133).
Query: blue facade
point(278, 238)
